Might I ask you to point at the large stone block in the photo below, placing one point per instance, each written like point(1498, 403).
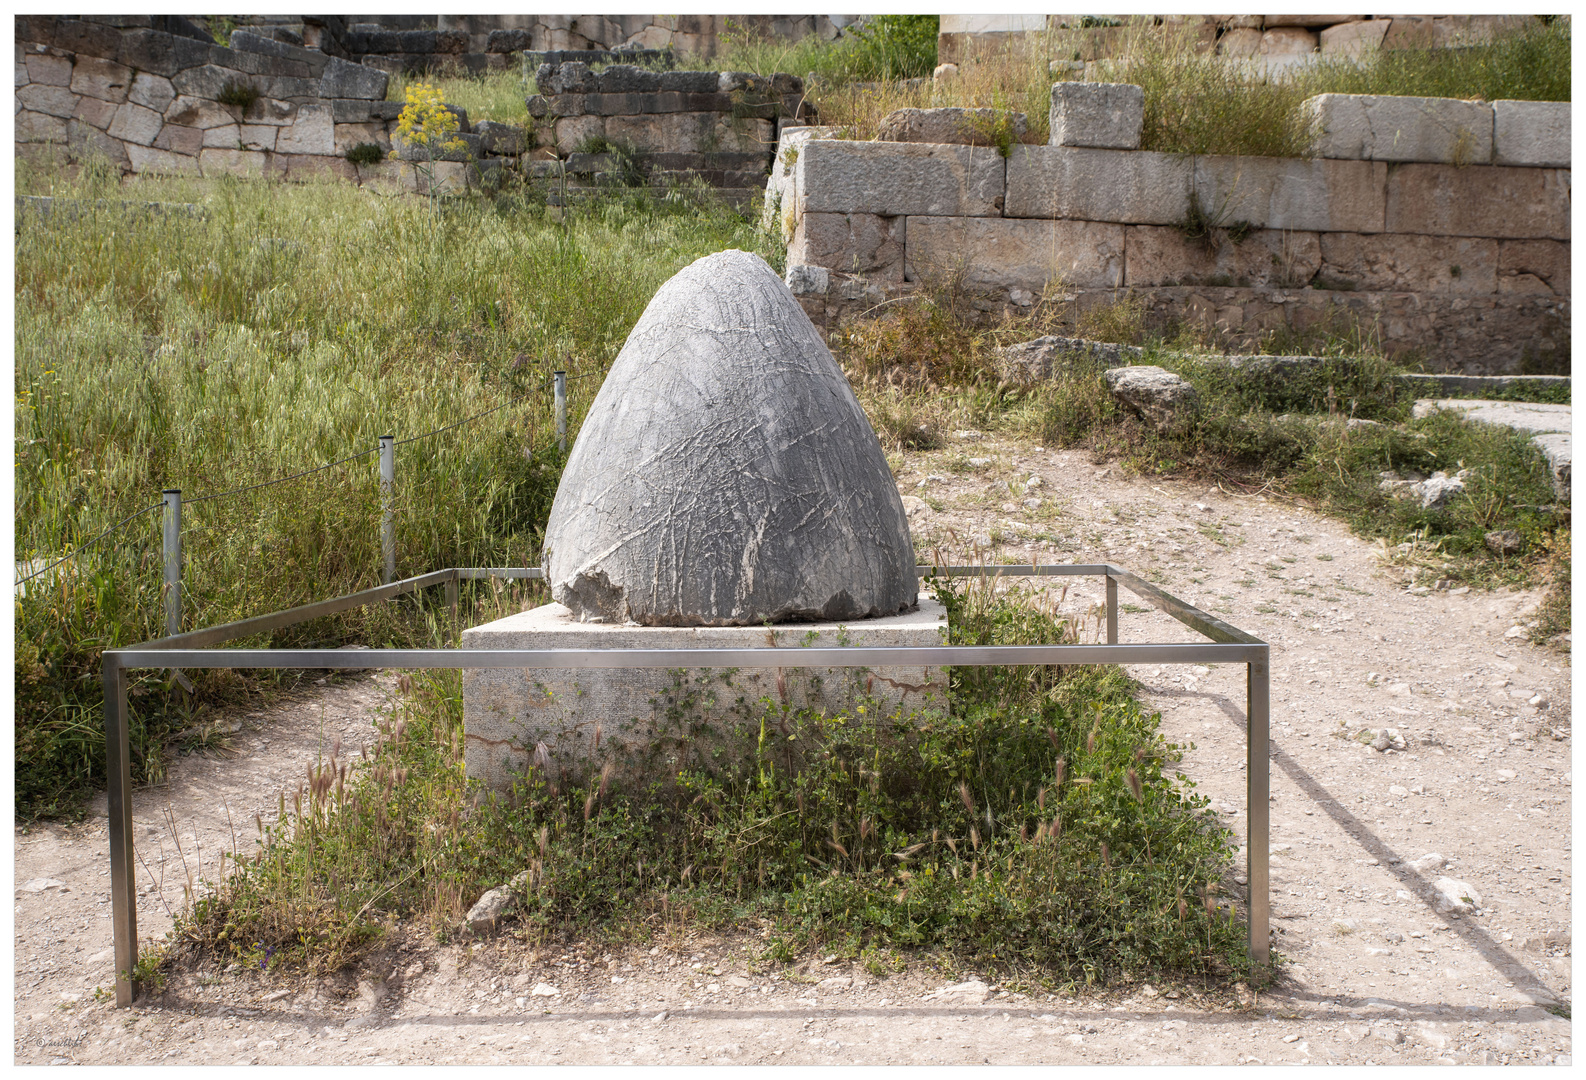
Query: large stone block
point(351, 135)
point(290, 88)
point(644, 714)
point(1535, 133)
point(1107, 115)
point(36, 127)
point(146, 159)
point(1354, 39)
point(151, 91)
point(103, 79)
point(95, 112)
point(1481, 200)
point(1267, 258)
point(225, 137)
point(1369, 127)
point(837, 176)
point(573, 132)
point(1533, 266)
point(48, 70)
point(1292, 193)
point(1130, 186)
point(344, 80)
point(84, 142)
point(199, 113)
point(691, 133)
point(1003, 253)
point(180, 140)
point(209, 81)
point(258, 136)
point(311, 167)
point(217, 161)
point(1287, 41)
point(1239, 43)
point(162, 53)
point(865, 244)
point(135, 124)
point(780, 211)
point(313, 131)
point(49, 100)
point(1389, 262)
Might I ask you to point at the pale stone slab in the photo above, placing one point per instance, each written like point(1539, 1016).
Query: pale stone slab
point(312, 132)
point(196, 112)
point(1287, 41)
point(1391, 262)
point(49, 100)
point(839, 176)
point(1481, 200)
point(95, 112)
point(782, 205)
point(865, 244)
point(1003, 253)
point(180, 140)
point(1106, 115)
point(135, 124)
point(259, 136)
point(641, 713)
point(146, 159)
point(1535, 133)
point(222, 137)
point(1371, 127)
point(1293, 193)
point(1239, 43)
point(47, 70)
point(573, 131)
point(39, 128)
point(1162, 255)
point(103, 79)
point(1354, 39)
point(1135, 187)
point(151, 91)
point(215, 160)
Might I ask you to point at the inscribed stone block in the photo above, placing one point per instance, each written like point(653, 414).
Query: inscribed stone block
point(1480, 200)
point(1292, 193)
point(839, 176)
point(1002, 253)
point(865, 244)
point(1097, 114)
point(1535, 133)
point(1371, 127)
point(1135, 187)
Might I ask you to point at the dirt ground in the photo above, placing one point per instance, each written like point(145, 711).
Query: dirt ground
point(1372, 972)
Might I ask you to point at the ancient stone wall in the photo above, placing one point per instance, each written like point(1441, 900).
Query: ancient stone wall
point(719, 126)
point(1275, 40)
point(1444, 223)
point(154, 101)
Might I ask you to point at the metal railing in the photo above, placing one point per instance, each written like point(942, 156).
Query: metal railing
point(1227, 644)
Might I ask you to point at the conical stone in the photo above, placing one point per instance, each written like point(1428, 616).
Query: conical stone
point(725, 474)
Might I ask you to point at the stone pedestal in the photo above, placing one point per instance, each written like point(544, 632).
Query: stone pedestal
point(651, 722)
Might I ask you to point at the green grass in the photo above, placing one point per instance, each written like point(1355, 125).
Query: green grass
point(1038, 827)
point(288, 327)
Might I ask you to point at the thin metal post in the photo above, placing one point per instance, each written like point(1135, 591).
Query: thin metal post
point(561, 410)
point(387, 515)
point(1258, 714)
point(118, 769)
point(1112, 610)
point(173, 561)
point(451, 598)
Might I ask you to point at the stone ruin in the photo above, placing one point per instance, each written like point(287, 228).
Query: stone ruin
point(725, 491)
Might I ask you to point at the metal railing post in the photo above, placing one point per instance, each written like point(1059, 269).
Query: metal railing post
point(561, 410)
point(1258, 714)
point(173, 561)
point(118, 768)
point(451, 597)
point(1112, 610)
point(387, 515)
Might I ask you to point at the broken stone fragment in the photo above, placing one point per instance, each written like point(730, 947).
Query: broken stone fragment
point(725, 474)
point(1161, 398)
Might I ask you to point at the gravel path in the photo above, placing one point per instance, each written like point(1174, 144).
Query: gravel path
point(1375, 973)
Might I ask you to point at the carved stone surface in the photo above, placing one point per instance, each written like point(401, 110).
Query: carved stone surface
point(725, 474)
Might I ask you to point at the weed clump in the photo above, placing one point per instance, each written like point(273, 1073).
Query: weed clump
point(238, 94)
point(365, 153)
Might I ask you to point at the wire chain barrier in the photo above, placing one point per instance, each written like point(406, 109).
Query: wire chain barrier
point(295, 476)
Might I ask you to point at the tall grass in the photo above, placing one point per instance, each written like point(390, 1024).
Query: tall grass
point(1197, 103)
point(287, 327)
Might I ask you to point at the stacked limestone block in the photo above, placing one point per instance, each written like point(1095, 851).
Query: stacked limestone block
point(152, 101)
point(716, 126)
point(1443, 223)
point(1275, 41)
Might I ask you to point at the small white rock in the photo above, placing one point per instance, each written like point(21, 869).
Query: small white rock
point(544, 990)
